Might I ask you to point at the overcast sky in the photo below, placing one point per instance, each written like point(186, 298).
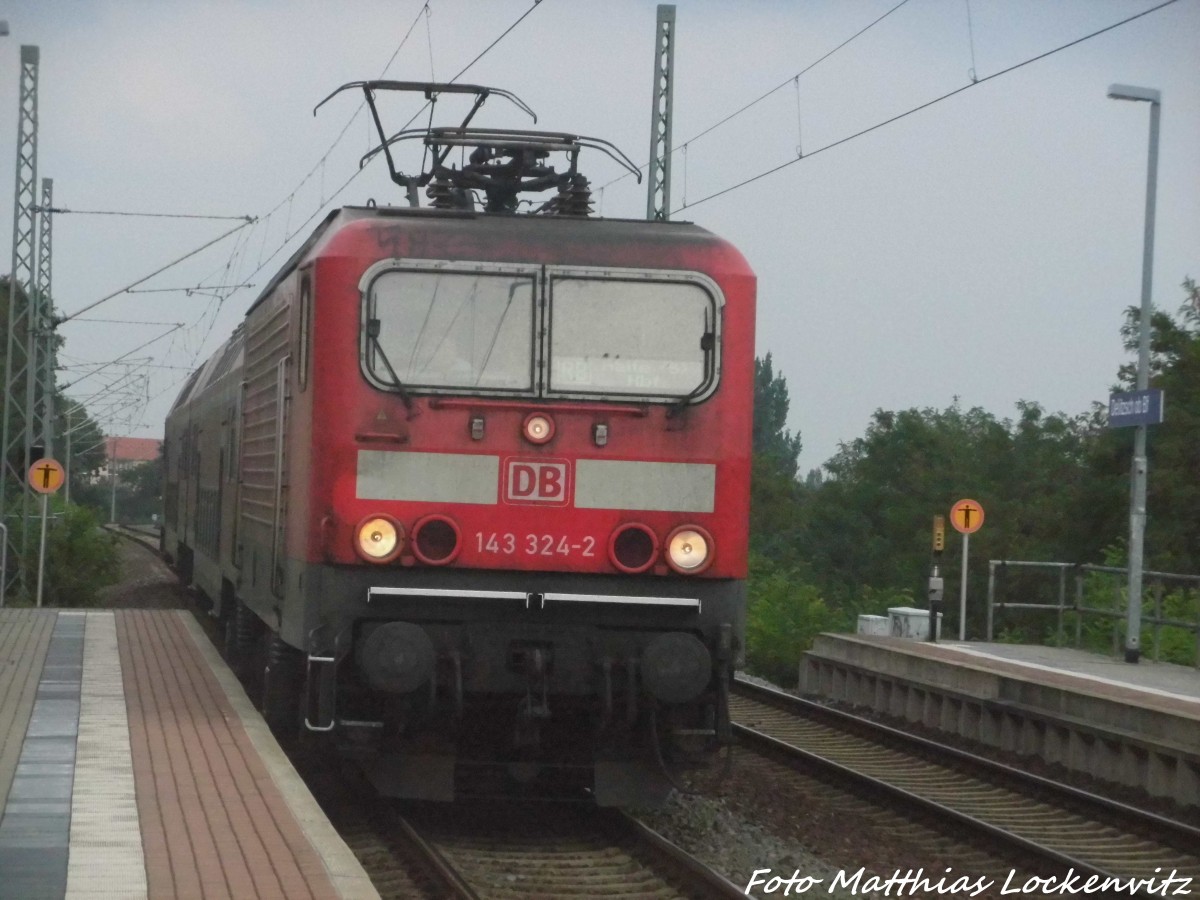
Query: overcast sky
point(983, 248)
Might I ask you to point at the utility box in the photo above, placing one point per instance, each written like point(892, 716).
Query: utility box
point(875, 625)
point(910, 622)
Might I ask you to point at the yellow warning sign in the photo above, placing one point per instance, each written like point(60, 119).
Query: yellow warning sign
point(46, 476)
point(966, 516)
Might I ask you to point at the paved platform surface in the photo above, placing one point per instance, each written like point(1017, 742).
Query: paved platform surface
point(1158, 701)
point(1137, 725)
point(1167, 687)
point(1178, 686)
point(132, 764)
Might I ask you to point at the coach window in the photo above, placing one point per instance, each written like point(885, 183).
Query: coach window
point(441, 329)
point(644, 338)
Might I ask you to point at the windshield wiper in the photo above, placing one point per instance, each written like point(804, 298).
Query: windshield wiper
point(708, 341)
point(373, 338)
point(512, 292)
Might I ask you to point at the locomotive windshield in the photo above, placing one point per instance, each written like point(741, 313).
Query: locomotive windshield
point(627, 337)
point(599, 334)
point(454, 330)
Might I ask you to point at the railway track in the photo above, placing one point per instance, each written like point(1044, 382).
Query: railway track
point(1053, 827)
point(554, 851)
point(147, 539)
point(482, 851)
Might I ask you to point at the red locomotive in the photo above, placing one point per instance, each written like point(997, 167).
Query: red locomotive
point(478, 482)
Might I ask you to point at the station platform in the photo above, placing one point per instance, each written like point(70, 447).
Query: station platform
point(132, 764)
point(1137, 725)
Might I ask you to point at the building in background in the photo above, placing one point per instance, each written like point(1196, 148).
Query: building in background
point(123, 452)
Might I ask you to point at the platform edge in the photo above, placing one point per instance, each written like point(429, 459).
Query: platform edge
point(346, 873)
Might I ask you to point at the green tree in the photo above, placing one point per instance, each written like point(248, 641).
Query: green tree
point(869, 523)
point(772, 440)
point(856, 538)
point(139, 495)
point(1173, 448)
point(776, 504)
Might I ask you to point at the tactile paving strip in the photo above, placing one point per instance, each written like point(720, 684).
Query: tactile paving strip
point(36, 827)
point(106, 857)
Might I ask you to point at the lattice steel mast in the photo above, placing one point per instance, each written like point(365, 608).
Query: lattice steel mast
point(44, 323)
point(658, 198)
point(20, 363)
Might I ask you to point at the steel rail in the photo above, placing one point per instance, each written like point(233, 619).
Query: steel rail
point(445, 873)
point(713, 883)
point(558, 851)
point(1081, 831)
point(1188, 835)
point(142, 538)
point(911, 800)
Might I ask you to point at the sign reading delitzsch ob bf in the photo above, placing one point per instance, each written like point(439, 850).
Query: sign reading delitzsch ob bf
point(1135, 408)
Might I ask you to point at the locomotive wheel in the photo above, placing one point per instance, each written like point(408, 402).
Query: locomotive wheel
point(281, 683)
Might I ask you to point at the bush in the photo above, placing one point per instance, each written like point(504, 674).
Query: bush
point(784, 615)
point(81, 558)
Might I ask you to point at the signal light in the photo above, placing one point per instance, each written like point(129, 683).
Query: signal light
point(378, 539)
point(939, 534)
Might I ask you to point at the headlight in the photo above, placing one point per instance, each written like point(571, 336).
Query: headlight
point(689, 549)
point(378, 539)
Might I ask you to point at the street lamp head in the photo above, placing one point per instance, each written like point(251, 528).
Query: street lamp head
point(1129, 92)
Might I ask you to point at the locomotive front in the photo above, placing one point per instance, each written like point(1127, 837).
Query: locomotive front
point(484, 489)
point(528, 494)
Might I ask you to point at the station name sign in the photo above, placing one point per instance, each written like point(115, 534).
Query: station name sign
point(1135, 408)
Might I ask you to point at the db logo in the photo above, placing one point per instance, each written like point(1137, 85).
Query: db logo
point(530, 481)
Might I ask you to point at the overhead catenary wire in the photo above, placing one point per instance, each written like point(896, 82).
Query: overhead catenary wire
point(791, 79)
point(157, 271)
point(194, 289)
point(503, 35)
point(60, 210)
point(429, 41)
point(241, 245)
point(341, 134)
point(289, 236)
point(926, 105)
point(971, 41)
point(289, 233)
point(127, 322)
point(99, 367)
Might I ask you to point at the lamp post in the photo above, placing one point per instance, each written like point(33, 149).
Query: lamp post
point(1137, 497)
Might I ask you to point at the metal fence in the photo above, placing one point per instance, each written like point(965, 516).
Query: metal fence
point(1157, 585)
